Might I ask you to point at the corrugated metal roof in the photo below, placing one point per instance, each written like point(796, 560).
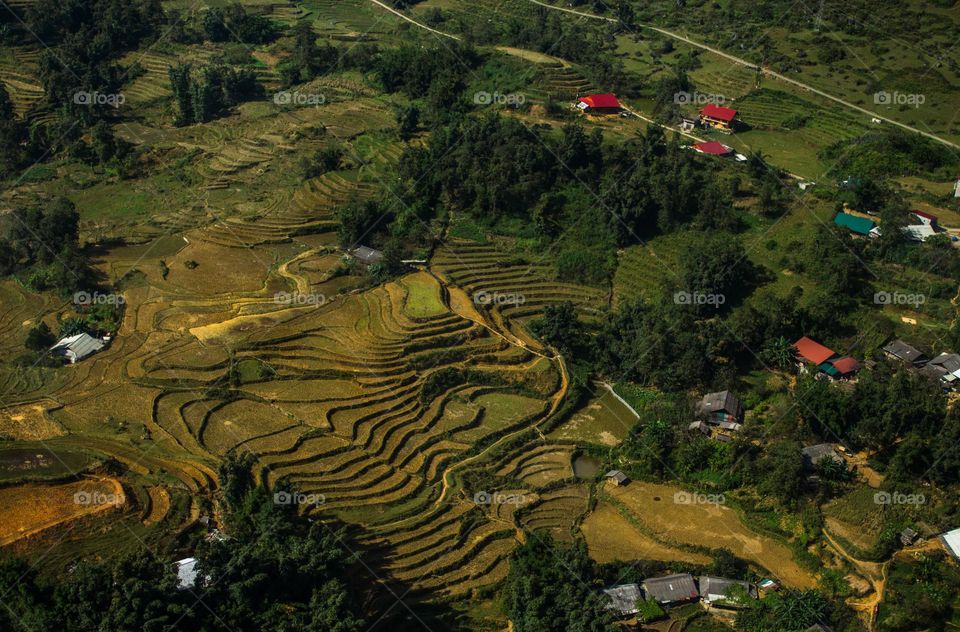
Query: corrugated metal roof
point(860, 225)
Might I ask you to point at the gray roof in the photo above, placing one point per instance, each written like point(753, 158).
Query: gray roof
point(624, 598)
point(186, 573)
point(948, 361)
point(821, 451)
point(671, 588)
point(719, 588)
point(722, 401)
point(366, 254)
point(617, 475)
point(699, 425)
point(78, 346)
point(900, 349)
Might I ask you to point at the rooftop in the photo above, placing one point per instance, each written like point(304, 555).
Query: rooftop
point(671, 588)
point(812, 351)
point(624, 598)
point(903, 351)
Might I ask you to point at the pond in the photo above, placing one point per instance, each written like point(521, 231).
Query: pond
point(586, 467)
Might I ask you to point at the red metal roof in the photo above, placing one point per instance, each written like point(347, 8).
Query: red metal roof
point(930, 217)
point(812, 351)
point(845, 365)
point(719, 112)
point(713, 147)
point(606, 100)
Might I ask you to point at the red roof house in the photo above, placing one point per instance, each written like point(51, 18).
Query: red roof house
point(713, 147)
point(845, 365)
point(718, 117)
point(812, 351)
point(926, 218)
point(606, 102)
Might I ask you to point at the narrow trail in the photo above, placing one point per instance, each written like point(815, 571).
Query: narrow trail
point(412, 21)
point(753, 66)
point(874, 572)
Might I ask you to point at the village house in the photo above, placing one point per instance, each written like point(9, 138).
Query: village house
point(599, 104)
point(187, 572)
point(717, 117)
point(722, 409)
point(719, 592)
point(713, 148)
point(951, 541)
point(900, 350)
point(908, 536)
point(812, 354)
point(671, 589)
point(945, 367)
point(366, 255)
point(813, 455)
point(77, 347)
point(623, 599)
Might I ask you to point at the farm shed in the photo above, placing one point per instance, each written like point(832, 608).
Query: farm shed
point(619, 478)
point(606, 103)
point(719, 407)
point(624, 598)
point(945, 367)
point(900, 350)
point(724, 592)
point(859, 225)
point(699, 425)
point(677, 588)
point(77, 347)
point(718, 117)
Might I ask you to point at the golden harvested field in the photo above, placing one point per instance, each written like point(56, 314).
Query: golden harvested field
point(708, 525)
point(29, 509)
point(610, 537)
point(29, 422)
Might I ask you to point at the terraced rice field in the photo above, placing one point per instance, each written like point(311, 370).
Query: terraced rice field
point(27, 510)
point(655, 512)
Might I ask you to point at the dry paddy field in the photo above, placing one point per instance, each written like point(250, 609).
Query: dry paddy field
point(650, 509)
point(27, 510)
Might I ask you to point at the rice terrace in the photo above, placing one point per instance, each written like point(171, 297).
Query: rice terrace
point(357, 315)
